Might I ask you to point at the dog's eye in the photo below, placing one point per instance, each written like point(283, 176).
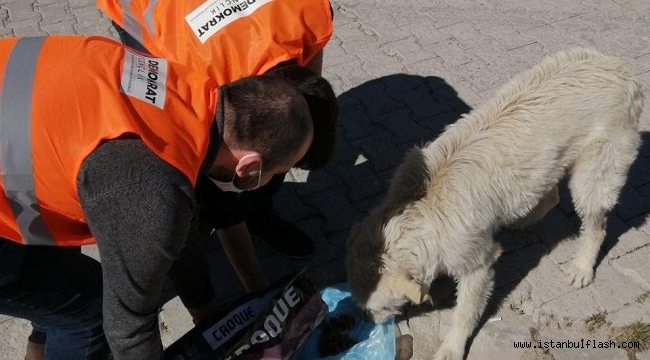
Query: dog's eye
point(389, 309)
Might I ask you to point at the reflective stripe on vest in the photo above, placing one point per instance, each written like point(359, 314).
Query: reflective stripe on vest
point(131, 24)
point(15, 141)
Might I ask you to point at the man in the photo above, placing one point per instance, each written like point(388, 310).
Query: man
point(229, 39)
point(100, 143)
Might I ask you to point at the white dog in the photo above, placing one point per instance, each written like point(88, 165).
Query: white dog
point(575, 114)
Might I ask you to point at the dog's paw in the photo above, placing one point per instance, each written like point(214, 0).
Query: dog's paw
point(580, 276)
point(447, 353)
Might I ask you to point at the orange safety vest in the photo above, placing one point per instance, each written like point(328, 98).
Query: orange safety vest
point(226, 39)
point(60, 97)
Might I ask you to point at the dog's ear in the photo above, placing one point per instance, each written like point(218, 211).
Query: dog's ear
point(417, 293)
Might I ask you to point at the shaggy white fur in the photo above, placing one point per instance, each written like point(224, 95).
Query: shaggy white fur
point(575, 114)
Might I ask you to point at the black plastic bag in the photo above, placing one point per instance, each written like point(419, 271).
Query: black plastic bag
point(268, 325)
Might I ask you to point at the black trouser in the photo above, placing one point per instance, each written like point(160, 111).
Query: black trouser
point(60, 289)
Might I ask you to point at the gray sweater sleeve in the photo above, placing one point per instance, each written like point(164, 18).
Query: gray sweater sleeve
point(139, 209)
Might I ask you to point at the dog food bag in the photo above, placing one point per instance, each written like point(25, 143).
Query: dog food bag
point(344, 335)
point(269, 325)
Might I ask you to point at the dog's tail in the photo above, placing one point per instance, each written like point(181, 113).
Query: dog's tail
point(636, 100)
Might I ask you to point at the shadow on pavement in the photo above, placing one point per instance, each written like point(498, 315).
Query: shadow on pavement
point(379, 121)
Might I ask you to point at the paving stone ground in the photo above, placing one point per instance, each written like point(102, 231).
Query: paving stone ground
point(402, 70)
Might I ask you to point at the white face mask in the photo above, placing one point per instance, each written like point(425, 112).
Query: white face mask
point(229, 186)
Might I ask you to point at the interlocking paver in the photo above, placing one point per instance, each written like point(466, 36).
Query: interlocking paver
point(22, 10)
point(404, 129)
point(355, 35)
point(56, 12)
point(402, 70)
point(507, 36)
point(454, 54)
point(628, 242)
point(380, 144)
point(635, 266)
point(632, 312)
point(408, 50)
point(316, 182)
point(335, 208)
point(481, 74)
point(612, 290)
point(575, 304)
point(361, 178)
point(292, 208)
point(379, 64)
point(425, 32)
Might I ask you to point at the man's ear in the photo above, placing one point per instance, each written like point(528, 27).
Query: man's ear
point(249, 165)
point(415, 292)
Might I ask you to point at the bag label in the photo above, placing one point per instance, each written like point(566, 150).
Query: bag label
point(236, 320)
point(144, 78)
point(230, 325)
point(213, 15)
point(274, 321)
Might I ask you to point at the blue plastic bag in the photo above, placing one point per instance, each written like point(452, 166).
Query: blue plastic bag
point(374, 341)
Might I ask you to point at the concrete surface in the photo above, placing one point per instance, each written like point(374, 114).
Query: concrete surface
point(402, 70)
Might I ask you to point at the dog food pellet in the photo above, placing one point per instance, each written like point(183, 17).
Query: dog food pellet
point(334, 339)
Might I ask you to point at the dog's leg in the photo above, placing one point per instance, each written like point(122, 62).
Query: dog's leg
point(474, 290)
point(592, 235)
point(548, 202)
point(596, 180)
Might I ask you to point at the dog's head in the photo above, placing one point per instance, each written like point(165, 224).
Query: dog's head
point(377, 287)
point(379, 254)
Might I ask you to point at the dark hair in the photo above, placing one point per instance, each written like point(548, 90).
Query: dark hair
point(323, 108)
point(266, 114)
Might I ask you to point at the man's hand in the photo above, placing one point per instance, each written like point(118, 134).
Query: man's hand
point(238, 246)
point(201, 313)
